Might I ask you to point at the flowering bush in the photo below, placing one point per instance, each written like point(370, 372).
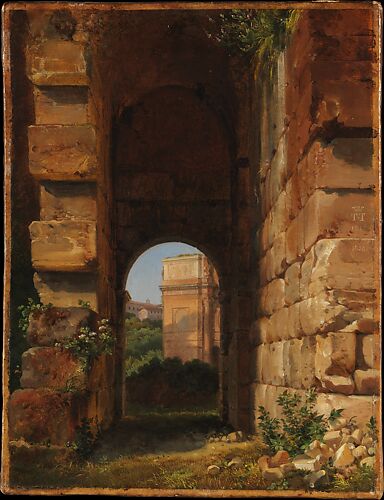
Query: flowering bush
point(87, 345)
point(30, 308)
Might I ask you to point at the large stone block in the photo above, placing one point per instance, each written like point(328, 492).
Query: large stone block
point(328, 215)
point(58, 62)
point(307, 365)
point(367, 381)
point(260, 331)
point(278, 254)
point(335, 354)
point(62, 152)
point(360, 407)
point(306, 274)
point(292, 283)
point(279, 217)
point(51, 367)
point(343, 264)
point(278, 326)
point(292, 362)
point(272, 297)
point(275, 370)
point(343, 163)
point(63, 245)
point(37, 415)
point(349, 102)
point(63, 289)
point(63, 200)
point(294, 329)
point(335, 361)
point(61, 105)
point(320, 314)
point(369, 350)
point(295, 239)
point(57, 323)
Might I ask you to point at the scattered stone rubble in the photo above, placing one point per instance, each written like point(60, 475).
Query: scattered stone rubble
point(344, 447)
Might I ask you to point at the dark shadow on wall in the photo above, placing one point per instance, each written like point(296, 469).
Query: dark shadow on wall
point(24, 192)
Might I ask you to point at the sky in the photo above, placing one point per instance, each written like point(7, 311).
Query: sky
point(144, 277)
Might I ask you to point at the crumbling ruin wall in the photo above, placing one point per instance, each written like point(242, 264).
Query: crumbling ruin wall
point(66, 157)
point(316, 320)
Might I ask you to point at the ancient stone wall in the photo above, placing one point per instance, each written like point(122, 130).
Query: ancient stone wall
point(317, 245)
point(64, 157)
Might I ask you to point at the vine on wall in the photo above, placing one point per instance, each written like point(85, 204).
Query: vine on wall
point(259, 35)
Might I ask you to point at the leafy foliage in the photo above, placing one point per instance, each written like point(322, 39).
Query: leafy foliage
point(84, 304)
point(30, 308)
point(300, 426)
point(134, 365)
point(85, 439)
point(362, 479)
point(87, 345)
point(144, 343)
point(142, 337)
point(372, 429)
point(258, 34)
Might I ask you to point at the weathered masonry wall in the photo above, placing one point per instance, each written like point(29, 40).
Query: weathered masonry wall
point(65, 159)
point(317, 178)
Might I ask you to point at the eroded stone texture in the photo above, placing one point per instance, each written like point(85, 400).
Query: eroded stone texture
point(64, 200)
point(64, 105)
point(367, 381)
point(56, 323)
point(58, 62)
point(52, 368)
point(62, 152)
point(42, 414)
point(64, 289)
point(63, 245)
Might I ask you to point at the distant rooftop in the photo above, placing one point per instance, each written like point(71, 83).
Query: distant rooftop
point(182, 256)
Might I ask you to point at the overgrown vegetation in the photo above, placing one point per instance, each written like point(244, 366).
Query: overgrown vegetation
point(260, 35)
point(361, 479)
point(28, 309)
point(87, 345)
point(85, 440)
point(300, 426)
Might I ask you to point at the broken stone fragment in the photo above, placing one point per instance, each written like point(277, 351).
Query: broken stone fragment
point(281, 457)
point(236, 437)
point(316, 448)
point(343, 456)
point(272, 474)
point(317, 478)
point(288, 467)
point(213, 470)
point(367, 441)
point(338, 424)
point(347, 439)
point(369, 461)
point(235, 462)
point(371, 451)
point(357, 436)
point(332, 438)
point(360, 452)
point(263, 462)
point(303, 462)
point(338, 383)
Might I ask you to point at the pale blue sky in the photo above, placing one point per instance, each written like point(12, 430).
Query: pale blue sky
point(144, 277)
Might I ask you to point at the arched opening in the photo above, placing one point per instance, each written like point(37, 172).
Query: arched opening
point(171, 331)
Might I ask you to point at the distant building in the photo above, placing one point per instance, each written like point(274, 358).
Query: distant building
point(191, 312)
point(143, 310)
